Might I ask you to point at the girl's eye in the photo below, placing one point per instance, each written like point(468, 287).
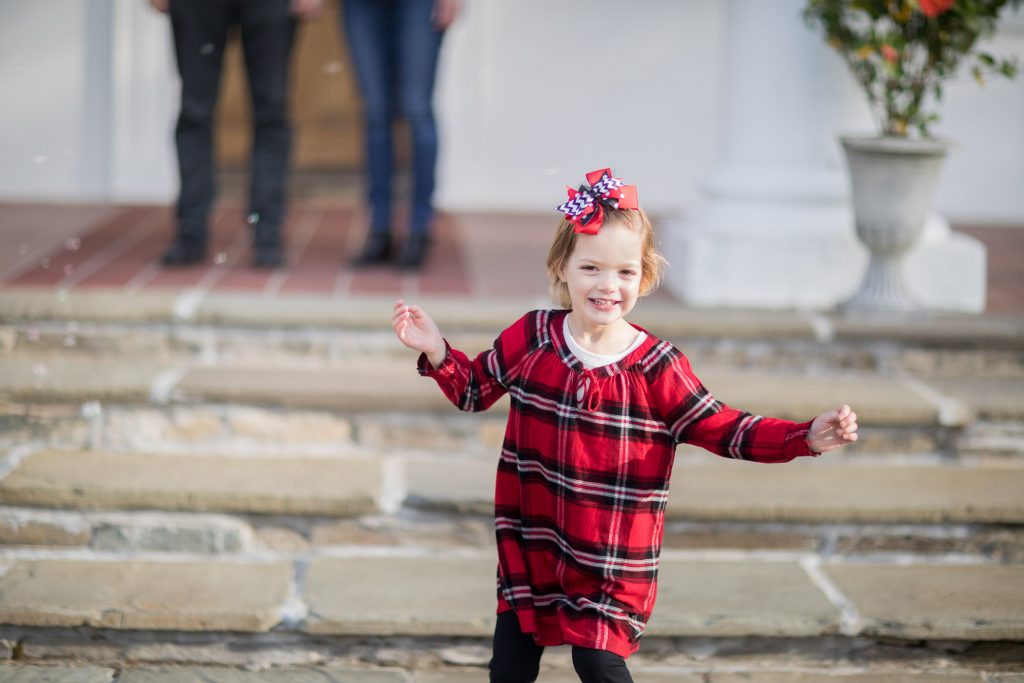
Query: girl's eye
point(628, 273)
point(589, 267)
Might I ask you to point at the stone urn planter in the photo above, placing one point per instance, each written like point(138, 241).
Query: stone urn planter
point(892, 181)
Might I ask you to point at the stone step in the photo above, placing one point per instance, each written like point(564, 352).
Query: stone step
point(418, 594)
point(707, 343)
point(333, 486)
point(704, 489)
point(287, 536)
point(389, 385)
point(238, 429)
point(708, 673)
point(26, 309)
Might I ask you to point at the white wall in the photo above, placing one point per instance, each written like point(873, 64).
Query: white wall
point(531, 95)
point(536, 93)
point(55, 125)
point(983, 180)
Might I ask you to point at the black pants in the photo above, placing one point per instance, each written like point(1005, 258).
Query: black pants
point(200, 33)
point(517, 658)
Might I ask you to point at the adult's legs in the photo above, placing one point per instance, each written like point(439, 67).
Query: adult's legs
point(599, 666)
point(268, 29)
point(419, 45)
point(369, 30)
point(200, 32)
point(516, 657)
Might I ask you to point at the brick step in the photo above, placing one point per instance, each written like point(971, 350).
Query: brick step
point(560, 672)
point(414, 594)
point(704, 489)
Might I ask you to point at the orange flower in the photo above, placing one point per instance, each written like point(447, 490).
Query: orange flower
point(890, 54)
point(934, 8)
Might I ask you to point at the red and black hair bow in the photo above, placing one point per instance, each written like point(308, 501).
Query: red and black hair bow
point(587, 204)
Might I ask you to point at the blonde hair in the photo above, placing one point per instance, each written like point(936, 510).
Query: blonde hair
point(652, 263)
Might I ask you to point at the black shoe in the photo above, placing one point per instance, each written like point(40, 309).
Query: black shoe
point(376, 250)
point(415, 252)
point(268, 257)
point(183, 253)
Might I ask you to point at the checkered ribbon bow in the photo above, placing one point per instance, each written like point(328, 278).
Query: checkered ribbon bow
point(587, 204)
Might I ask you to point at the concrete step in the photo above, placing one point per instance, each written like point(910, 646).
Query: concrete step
point(706, 489)
point(416, 594)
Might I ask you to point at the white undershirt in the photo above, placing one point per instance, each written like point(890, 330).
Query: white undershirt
point(593, 360)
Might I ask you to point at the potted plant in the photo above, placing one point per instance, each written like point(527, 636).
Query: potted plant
point(902, 53)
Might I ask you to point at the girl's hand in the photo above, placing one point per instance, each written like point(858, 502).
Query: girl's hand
point(416, 330)
point(833, 429)
point(161, 5)
point(444, 13)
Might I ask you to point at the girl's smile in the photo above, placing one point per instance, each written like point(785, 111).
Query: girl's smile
point(603, 279)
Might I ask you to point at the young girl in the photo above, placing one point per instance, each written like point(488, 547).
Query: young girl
point(598, 406)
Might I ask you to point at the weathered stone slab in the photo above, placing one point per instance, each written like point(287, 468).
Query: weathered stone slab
point(96, 480)
point(360, 312)
point(19, 528)
point(163, 532)
point(125, 532)
point(31, 303)
point(212, 674)
point(990, 398)
point(454, 484)
point(969, 602)
point(402, 595)
point(18, 673)
point(832, 677)
point(802, 491)
point(801, 397)
point(547, 676)
point(819, 491)
point(76, 380)
point(729, 599)
point(956, 331)
point(373, 385)
point(169, 595)
point(452, 432)
point(383, 384)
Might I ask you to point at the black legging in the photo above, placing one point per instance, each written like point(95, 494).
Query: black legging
point(517, 658)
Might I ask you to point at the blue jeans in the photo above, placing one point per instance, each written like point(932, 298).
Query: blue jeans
point(394, 50)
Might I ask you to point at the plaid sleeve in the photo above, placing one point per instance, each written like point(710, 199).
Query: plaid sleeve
point(694, 416)
point(474, 385)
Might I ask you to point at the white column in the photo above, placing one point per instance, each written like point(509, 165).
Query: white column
point(775, 229)
point(145, 105)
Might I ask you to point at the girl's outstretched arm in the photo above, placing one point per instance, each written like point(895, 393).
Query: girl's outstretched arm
point(832, 429)
point(416, 330)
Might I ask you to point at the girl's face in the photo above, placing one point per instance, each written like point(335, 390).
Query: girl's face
point(603, 277)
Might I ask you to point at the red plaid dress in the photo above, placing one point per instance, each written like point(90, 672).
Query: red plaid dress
point(583, 478)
